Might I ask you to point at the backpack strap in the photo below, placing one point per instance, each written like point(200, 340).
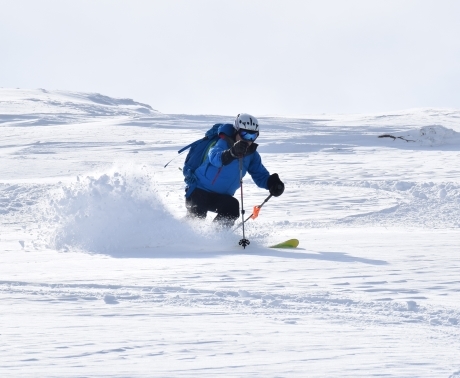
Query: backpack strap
point(211, 145)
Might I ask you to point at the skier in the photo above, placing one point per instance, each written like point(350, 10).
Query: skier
point(218, 177)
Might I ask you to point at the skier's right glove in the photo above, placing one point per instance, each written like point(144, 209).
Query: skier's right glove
point(236, 151)
point(239, 149)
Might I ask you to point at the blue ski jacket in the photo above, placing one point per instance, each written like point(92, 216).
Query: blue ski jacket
point(213, 176)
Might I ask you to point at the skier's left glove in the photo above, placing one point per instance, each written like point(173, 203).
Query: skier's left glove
point(275, 185)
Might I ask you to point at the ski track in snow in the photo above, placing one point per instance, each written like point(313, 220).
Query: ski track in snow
point(283, 306)
point(92, 228)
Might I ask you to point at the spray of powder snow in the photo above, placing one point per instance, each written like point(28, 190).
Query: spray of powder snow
point(120, 213)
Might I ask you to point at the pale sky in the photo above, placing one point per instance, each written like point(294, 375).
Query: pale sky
point(264, 57)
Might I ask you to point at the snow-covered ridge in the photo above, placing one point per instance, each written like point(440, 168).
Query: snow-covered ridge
point(409, 118)
point(40, 107)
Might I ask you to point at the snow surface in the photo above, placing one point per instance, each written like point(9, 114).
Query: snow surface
point(101, 276)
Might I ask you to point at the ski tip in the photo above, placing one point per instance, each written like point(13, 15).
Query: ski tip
point(291, 243)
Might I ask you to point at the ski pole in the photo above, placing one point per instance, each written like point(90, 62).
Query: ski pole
point(179, 152)
point(183, 149)
point(243, 242)
point(255, 212)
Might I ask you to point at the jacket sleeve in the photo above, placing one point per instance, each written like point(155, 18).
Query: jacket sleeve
point(215, 153)
point(258, 172)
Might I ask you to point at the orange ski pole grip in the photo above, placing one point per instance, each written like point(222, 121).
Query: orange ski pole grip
point(255, 212)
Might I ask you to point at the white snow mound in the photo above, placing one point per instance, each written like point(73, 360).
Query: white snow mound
point(437, 136)
point(430, 136)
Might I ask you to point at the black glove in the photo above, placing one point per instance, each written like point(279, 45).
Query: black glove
point(275, 185)
point(238, 150)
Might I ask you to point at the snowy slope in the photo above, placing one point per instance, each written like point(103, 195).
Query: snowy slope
point(101, 276)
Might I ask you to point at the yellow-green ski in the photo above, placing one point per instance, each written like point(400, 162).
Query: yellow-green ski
point(291, 243)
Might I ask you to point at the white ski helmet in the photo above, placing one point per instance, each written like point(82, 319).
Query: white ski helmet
point(246, 122)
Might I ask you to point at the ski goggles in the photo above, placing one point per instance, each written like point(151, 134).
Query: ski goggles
point(248, 135)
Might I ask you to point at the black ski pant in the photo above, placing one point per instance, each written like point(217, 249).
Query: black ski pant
point(201, 201)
